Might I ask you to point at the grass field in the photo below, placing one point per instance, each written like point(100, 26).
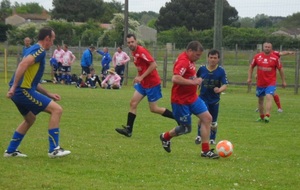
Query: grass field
point(266, 156)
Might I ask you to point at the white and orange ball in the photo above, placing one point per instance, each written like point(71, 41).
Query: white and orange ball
point(224, 148)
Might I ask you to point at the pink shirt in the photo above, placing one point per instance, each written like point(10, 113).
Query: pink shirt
point(120, 58)
point(112, 79)
point(57, 54)
point(67, 58)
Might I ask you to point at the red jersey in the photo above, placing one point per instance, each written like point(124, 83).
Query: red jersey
point(142, 60)
point(266, 68)
point(184, 94)
point(276, 53)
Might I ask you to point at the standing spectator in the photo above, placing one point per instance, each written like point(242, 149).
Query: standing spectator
point(68, 59)
point(119, 60)
point(56, 71)
point(147, 83)
point(31, 98)
point(112, 80)
point(27, 44)
point(266, 63)
point(214, 82)
point(86, 63)
point(106, 59)
point(186, 102)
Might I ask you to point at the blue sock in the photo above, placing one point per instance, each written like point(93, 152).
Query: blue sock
point(15, 142)
point(213, 134)
point(199, 132)
point(53, 138)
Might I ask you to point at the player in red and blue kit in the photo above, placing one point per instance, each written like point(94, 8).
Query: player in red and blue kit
point(31, 98)
point(146, 83)
point(185, 101)
point(214, 83)
point(266, 63)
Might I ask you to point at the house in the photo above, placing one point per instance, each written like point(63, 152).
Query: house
point(19, 19)
point(294, 33)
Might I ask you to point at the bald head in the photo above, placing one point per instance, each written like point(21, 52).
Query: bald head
point(27, 42)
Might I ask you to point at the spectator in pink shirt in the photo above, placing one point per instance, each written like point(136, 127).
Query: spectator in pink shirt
point(119, 60)
point(112, 80)
point(67, 59)
point(56, 71)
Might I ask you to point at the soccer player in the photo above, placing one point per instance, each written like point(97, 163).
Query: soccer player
point(214, 83)
point(266, 63)
point(86, 63)
point(68, 59)
point(119, 60)
point(185, 101)
point(146, 83)
point(31, 98)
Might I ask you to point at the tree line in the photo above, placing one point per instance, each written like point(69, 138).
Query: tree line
point(178, 22)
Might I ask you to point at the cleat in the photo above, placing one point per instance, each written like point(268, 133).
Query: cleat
point(280, 110)
point(198, 140)
point(58, 152)
point(125, 131)
point(210, 154)
point(212, 141)
point(165, 144)
point(14, 154)
point(267, 119)
point(259, 119)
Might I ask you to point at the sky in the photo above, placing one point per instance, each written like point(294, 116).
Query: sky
point(245, 8)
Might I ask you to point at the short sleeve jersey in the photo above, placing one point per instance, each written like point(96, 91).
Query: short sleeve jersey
point(266, 68)
point(184, 94)
point(34, 73)
point(57, 54)
point(211, 79)
point(67, 58)
point(142, 60)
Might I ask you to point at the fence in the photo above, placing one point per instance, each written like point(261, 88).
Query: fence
point(235, 62)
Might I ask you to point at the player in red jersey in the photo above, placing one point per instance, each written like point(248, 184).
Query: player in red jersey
point(276, 96)
point(185, 100)
point(147, 83)
point(266, 63)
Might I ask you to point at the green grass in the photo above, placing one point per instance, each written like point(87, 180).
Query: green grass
point(265, 156)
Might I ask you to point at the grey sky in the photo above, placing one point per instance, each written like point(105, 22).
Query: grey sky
point(245, 8)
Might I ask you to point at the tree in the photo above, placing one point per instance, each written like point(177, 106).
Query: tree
point(30, 8)
point(292, 21)
point(193, 14)
point(262, 21)
point(78, 10)
point(5, 10)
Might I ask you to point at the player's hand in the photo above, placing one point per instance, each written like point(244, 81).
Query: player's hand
point(11, 92)
point(138, 79)
point(283, 84)
point(217, 90)
point(249, 81)
point(197, 81)
point(55, 97)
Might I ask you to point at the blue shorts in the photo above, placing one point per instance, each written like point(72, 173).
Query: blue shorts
point(183, 113)
point(262, 91)
point(66, 69)
point(153, 94)
point(28, 100)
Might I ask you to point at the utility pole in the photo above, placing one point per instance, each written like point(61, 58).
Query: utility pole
point(218, 25)
point(124, 40)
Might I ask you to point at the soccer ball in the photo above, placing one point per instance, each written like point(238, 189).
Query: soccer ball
point(224, 148)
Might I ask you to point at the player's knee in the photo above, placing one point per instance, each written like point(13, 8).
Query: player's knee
point(183, 129)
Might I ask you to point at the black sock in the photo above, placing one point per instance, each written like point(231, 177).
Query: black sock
point(168, 114)
point(130, 120)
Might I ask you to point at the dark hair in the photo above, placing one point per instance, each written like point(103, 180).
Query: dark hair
point(195, 46)
point(120, 47)
point(213, 52)
point(44, 32)
point(131, 35)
